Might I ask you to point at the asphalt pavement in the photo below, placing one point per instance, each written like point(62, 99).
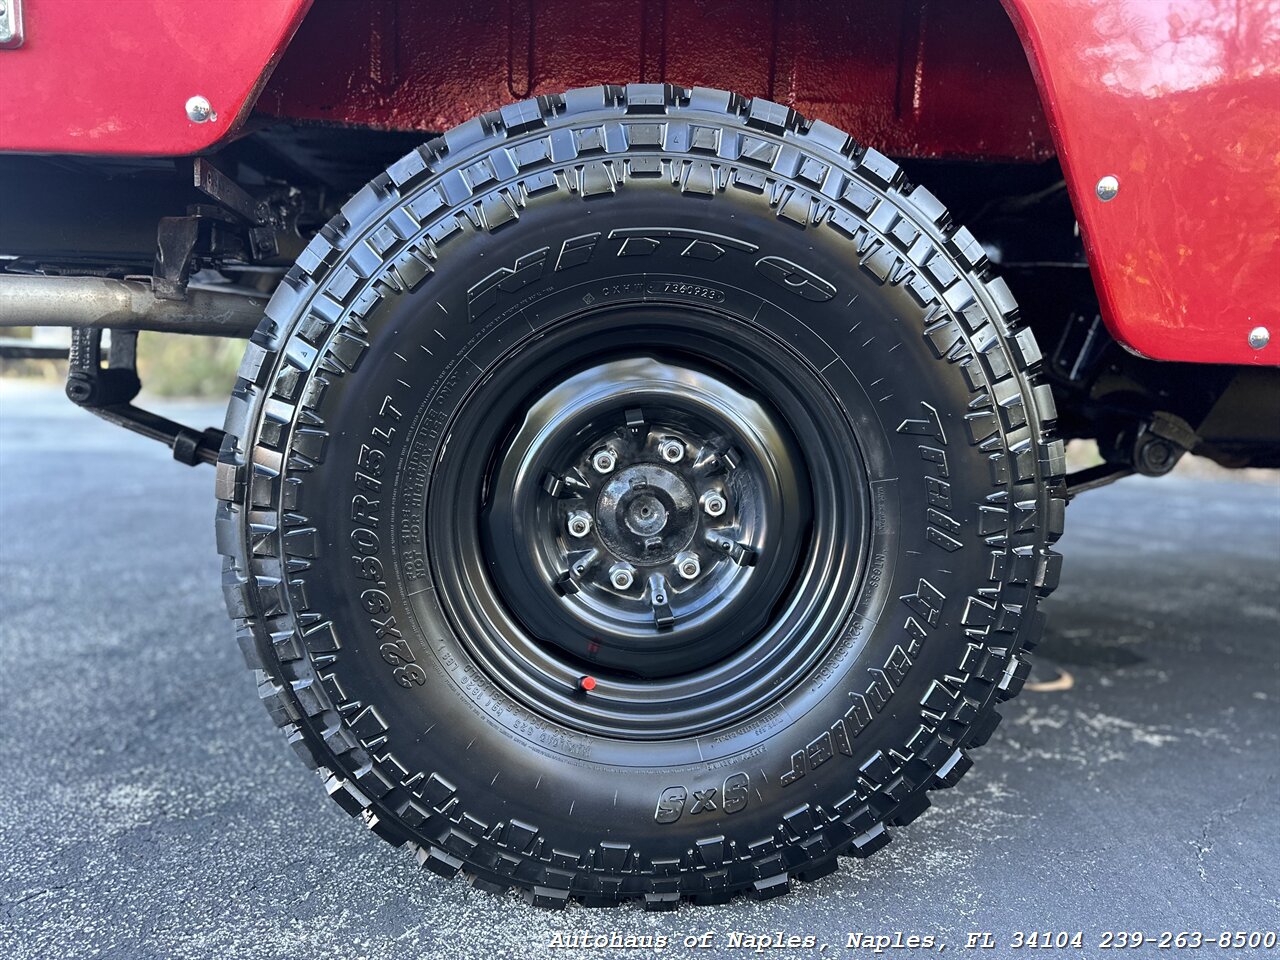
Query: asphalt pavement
point(148, 808)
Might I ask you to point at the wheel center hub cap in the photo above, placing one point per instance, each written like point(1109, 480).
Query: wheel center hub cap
point(646, 514)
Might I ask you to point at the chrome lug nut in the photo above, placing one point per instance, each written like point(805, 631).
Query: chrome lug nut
point(579, 523)
point(713, 503)
point(671, 450)
point(622, 576)
point(603, 460)
point(688, 566)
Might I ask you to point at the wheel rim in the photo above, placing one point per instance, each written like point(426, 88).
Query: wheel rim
point(583, 514)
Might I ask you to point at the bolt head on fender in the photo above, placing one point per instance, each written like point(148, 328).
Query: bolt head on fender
point(199, 110)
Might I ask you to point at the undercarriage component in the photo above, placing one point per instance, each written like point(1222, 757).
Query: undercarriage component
point(1092, 478)
point(1145, 414)
point(108, 392)
point(91, 305)
point(238, 227)
point(104, 303)
point(1148, 447)
point(176, 239)
point(1151, 448)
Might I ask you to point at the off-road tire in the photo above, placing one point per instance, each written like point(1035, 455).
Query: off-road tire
point(436, 270)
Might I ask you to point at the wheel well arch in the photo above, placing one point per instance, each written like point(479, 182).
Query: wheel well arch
point(913, 78)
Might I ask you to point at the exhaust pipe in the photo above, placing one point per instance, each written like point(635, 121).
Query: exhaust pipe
point(99, 302)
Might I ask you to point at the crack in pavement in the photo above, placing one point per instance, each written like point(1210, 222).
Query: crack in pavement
point(1204, 845)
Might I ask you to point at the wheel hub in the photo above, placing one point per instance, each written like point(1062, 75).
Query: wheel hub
point(646, 514)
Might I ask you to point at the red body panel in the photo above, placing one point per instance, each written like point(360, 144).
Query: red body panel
point(111, 77)
point(1180, 101)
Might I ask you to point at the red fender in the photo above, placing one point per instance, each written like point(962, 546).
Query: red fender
point(1179, 100)
point(112, 78)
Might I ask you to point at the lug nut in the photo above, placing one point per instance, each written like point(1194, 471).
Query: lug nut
point(579, 523)
point(671, 450)
point(622, 576)
point(603, 460)
point(713, 503)
point(688, 566)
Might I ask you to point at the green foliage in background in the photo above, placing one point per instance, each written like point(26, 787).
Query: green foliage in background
point(180, 366)
point(170, 365)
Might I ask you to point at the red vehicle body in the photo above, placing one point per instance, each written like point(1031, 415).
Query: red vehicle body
point(1178, 100)
point(653, 402)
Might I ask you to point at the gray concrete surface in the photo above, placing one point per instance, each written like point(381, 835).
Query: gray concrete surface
point(149, 809)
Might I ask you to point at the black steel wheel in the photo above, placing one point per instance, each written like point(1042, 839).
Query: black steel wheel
point(642, 493)
point(667, 526)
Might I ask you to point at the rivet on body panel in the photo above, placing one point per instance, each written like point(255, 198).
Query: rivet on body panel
point(199, 110)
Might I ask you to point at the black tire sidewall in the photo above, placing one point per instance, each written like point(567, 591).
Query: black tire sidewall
point(426, 350)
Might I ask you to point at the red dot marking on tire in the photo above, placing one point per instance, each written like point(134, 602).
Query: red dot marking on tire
point(587, 683)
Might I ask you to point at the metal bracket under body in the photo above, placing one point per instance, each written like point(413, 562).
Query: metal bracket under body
point(236, 224)
point(108, 392)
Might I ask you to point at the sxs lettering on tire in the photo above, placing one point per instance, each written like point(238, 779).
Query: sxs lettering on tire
point(731, 797)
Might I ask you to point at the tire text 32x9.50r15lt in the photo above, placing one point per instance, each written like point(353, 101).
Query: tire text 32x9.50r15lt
point(639, 493)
